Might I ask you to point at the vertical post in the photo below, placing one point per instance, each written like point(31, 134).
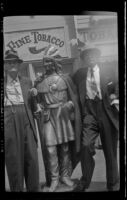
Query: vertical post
point(32, 77)
point(31, 73)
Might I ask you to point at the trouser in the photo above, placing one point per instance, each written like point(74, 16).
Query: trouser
point(96, 121)
point(59, 163)
point(21, 156)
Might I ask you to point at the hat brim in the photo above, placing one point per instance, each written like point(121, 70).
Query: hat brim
point(13, 59)
point(96, 50)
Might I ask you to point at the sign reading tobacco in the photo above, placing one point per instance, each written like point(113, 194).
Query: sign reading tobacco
point(31, 45)
point(102, 35)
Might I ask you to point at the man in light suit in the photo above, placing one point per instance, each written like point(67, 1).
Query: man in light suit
point(21, 156)
point(97, 86)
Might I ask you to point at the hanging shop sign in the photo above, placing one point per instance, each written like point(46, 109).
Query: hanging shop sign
point(101, 35)
point(30, 45)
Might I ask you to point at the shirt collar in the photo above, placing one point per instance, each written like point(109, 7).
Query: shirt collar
point(10, 79)
point(95, 68)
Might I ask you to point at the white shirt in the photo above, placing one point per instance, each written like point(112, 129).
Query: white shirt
point(13, 91)
point(96, 73)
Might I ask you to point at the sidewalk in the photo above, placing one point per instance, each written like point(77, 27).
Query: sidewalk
point(98, 180)
point(99, 176)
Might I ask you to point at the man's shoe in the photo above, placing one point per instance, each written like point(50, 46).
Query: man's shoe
point(80, 187)
point(115, 187)
point(53, 186)
point(67, 181)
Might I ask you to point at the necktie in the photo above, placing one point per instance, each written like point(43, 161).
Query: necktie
point(16, 90)
point(94, 85)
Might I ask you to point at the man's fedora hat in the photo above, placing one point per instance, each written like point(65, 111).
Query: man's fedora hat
point(12, 56)
point(89, 48)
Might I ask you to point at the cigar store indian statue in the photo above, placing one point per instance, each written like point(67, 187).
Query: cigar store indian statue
point(54, 94)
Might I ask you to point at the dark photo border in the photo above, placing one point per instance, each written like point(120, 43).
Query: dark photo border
point(40, 8)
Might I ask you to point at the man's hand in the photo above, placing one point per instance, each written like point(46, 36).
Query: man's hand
point(69, 105)
point(67, 109)
point(114, 101)
point(112, 97)
point(38, 112)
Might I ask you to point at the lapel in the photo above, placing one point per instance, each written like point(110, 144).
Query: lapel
point(82, 87)
point(24, 87)
point(104, 79)
point(102, 85)
point(5, 83)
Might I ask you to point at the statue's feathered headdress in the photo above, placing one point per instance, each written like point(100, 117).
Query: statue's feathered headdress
point(51, 52)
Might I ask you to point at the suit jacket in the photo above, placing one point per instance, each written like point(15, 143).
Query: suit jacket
point(108, 74)
point(26, 84)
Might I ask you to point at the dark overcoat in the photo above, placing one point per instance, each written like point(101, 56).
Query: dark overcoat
point(108, 84)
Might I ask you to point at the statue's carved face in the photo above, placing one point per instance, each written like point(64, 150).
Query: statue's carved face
point(47, 63)
point(49, 66)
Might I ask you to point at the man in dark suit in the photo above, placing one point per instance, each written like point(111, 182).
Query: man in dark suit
point(98, 98)
point(21, 156)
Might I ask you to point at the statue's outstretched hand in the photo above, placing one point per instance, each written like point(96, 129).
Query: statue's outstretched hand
point(33, 92)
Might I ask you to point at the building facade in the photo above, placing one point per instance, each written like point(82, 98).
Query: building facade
point(100, 30)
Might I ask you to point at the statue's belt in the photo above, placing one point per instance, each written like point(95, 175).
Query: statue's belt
point(47, 110)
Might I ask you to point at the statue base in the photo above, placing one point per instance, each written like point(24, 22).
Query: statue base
point(61, 187)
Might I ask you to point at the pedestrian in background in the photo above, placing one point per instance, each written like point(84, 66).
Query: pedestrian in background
point(98, 98)
point(21, 156)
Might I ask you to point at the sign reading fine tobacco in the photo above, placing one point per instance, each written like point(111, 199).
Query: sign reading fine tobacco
point(31, 45)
